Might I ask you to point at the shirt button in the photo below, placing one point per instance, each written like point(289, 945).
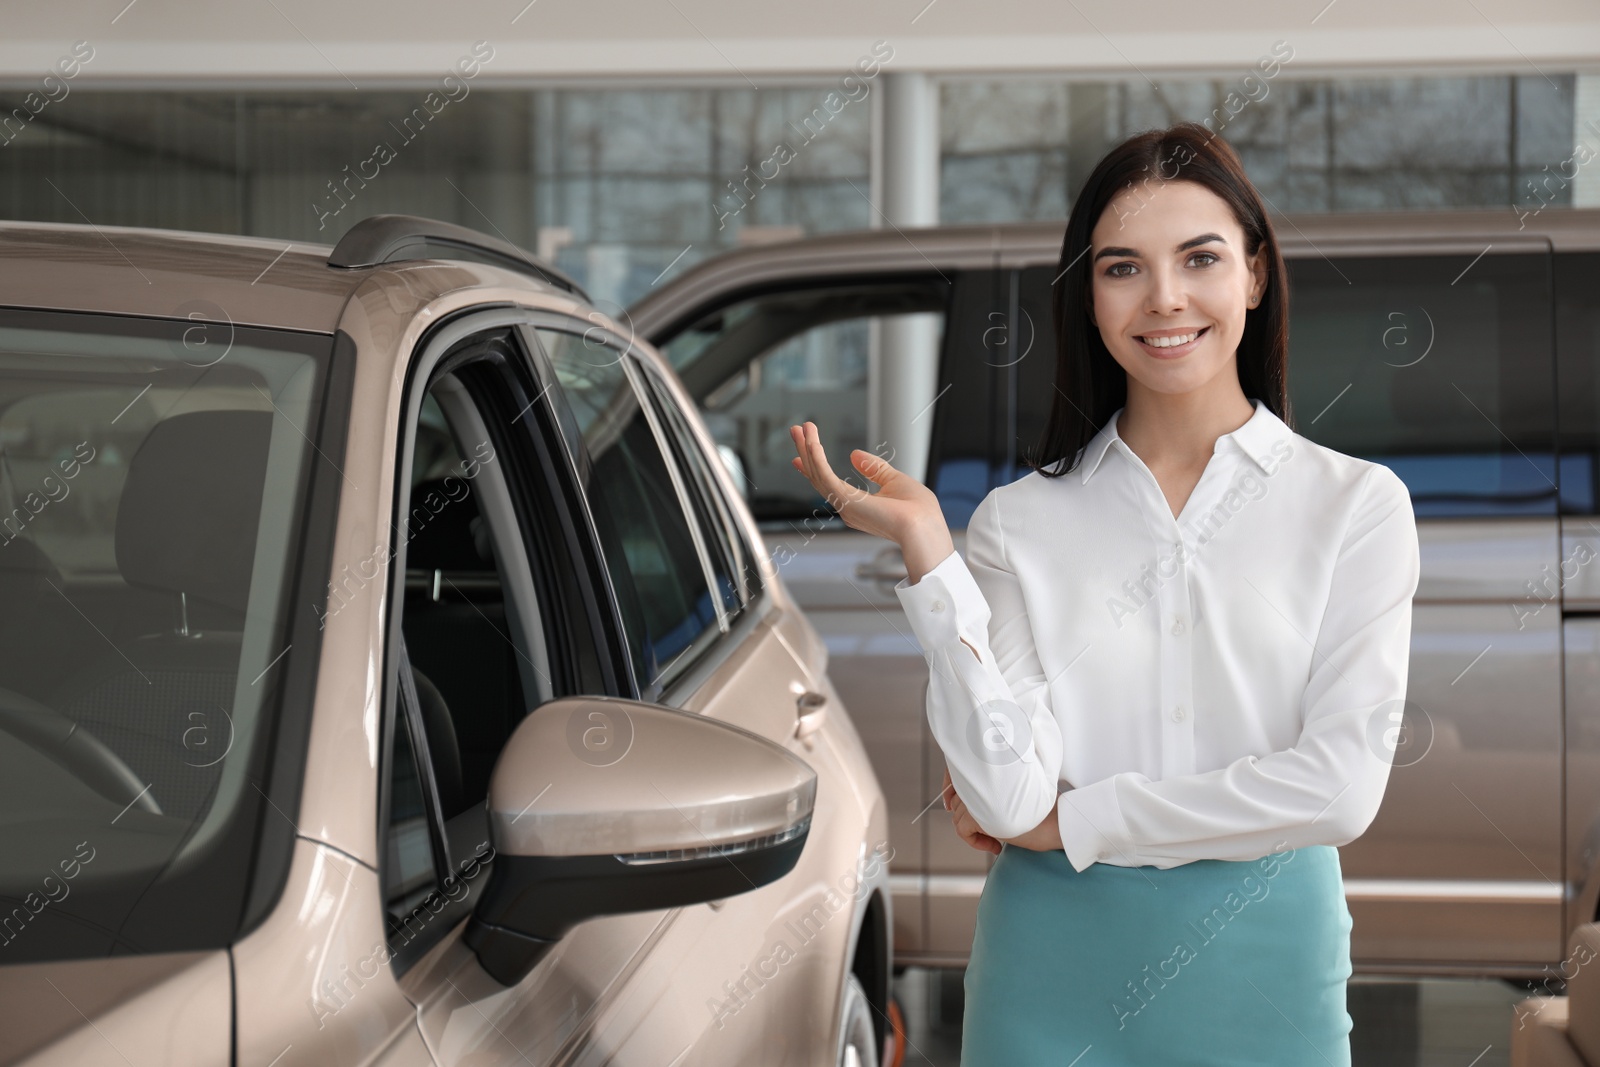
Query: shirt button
point(1177, 713)
point(937, 606)
point(1177, 627)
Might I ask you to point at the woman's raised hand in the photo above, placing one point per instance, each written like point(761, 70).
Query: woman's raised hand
point(903, 510)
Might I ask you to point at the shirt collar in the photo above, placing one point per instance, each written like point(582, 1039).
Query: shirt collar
point(1255, 438)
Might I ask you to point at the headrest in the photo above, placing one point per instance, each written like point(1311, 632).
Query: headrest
point(443, 528)
point(189, 511)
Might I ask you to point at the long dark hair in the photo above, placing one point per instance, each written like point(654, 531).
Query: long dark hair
point(1090, 383)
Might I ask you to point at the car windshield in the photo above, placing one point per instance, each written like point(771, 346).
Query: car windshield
point(152, 478)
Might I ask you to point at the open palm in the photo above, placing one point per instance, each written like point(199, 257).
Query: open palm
point(902, 508)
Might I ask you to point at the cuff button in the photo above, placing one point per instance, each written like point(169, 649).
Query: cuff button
point(937, 606)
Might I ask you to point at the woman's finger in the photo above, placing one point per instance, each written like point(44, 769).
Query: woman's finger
point(807, 459)
point(973, 834)
point(834, 489)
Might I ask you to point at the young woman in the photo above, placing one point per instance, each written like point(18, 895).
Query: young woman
point(1167, 675)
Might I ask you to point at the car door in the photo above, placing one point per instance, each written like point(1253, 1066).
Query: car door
point(1436, 360)
point(569, 564)
point(500, 607)
point(760, 975)
point(1577, 280)
point(757, 362)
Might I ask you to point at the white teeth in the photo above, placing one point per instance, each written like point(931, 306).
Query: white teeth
point(1169, 342)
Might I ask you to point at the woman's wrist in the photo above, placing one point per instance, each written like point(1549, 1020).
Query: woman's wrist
point(925, 546)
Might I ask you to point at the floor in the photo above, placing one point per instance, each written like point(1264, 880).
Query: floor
point(1430, 1022)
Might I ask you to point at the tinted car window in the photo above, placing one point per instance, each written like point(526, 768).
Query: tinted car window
point(989, 341)
point(651, 551)
point(732, 565)
point(150, 497)
point(1577, 279)
point(762, 364)
point(1439, 367)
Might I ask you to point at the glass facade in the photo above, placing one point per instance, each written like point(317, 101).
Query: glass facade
point(619, 185)
point(1019, 149)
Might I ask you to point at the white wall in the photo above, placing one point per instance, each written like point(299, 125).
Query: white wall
point(366, 43)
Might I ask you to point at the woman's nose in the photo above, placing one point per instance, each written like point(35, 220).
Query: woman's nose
point(1166, 292)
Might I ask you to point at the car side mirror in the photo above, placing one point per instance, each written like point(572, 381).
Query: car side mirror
point(600, 806)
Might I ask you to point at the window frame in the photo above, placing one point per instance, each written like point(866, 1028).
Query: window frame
point(948, 284)
point(529, 454)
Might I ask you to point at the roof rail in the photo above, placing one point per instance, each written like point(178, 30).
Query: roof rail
point(380, 239)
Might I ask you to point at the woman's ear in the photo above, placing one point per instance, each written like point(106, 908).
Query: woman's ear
point(1258, 272)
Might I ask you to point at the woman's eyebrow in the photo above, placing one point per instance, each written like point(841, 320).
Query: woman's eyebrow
point(1190, 243)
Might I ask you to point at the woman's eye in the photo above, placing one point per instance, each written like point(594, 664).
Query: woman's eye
point(1210, 258)
point(1111, 271)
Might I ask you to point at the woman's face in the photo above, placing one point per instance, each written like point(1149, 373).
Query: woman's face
point(1169, 261)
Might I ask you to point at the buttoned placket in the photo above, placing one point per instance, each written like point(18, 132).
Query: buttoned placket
point(1174, 629)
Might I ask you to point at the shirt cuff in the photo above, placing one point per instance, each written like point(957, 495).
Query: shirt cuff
point(1092, 827)
point(945, 605)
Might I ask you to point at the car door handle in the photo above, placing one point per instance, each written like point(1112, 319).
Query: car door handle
point(887, 566)
point(813, 709)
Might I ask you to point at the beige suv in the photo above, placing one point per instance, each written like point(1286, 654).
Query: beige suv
point(390, 674)
point(1460, 348)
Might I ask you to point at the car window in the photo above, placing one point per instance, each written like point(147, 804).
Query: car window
point(653, 552)
point(991, 339)
point(762, 364)
point(1438, 366)
point(491, 627)
point(150, 531)
point(734, 569)
point(1577, 279)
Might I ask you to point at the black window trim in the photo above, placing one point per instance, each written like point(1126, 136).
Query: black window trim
point(555, 322)
point(641, 389)
point(721, 300)
point(748, 578)
point(743, 627)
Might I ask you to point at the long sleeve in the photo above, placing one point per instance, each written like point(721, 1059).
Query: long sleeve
point(988, 712)
point(1327, 788)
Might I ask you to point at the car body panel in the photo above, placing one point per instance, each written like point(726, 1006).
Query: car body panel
point(169, 1008)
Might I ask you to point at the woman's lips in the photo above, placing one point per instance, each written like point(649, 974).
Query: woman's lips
point(1176, 350)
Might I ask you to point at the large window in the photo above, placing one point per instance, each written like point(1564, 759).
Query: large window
point(613, 185)
point(1021, 148)
point(623, 186)
point(150, 530)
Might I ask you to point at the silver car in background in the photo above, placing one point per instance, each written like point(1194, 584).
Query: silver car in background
point(1460, 348)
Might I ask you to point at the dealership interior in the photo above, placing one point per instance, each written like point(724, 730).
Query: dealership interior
point(626, 143)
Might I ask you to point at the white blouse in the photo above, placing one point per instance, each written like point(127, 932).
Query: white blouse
point(1220, 685)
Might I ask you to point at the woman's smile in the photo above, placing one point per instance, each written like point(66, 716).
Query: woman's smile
point(1170, 344)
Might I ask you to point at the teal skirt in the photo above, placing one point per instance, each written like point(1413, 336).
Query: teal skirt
point(1213, 962)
